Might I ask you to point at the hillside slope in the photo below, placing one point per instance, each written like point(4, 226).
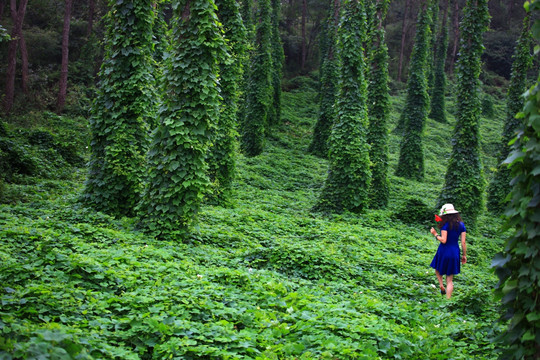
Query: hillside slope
point(264, 279)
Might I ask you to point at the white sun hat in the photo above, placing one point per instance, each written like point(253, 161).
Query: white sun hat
point(448, 209)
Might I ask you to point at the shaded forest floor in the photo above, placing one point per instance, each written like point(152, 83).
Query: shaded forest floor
point(263, 279)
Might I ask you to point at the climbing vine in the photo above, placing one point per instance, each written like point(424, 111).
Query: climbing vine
point(122, 111)
point(177, 164)
point(379, 111)
point(258, 96)
point(411, 156)
point(517, 267)
point(328, 85)
point(222, 158)
point(347, 185)
point(500, 185)
point(464, 180)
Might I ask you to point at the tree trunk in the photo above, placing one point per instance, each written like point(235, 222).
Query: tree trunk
point(403, 37)
point(455, 23)
point(17, 14)
point(24, 61)
point(304, 52)
point(2, 8)
point(65, 52)
point(91, 11)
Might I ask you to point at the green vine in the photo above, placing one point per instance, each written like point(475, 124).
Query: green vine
point(259, 86)
point(517, 267)
point(347, 185)
point(464, 180)
point(411, 156)
point(438, 100)
point(177, 158)
point(500, 185)
point(122, 111)
point(328, 85)
point(222, 159)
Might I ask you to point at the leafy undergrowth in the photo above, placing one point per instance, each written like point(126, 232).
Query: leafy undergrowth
point(263, 279)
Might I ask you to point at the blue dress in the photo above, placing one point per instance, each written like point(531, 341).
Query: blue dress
point(446, 260)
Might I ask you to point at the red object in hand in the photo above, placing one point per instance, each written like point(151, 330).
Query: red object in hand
point(437, 218)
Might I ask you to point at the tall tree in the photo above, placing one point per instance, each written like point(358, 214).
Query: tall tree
point(65, 57)
point(303, 54)
point(222, 158)
point(438, 101)
point(259, 85)
point(177, 167)
point(411, 156)
point(517, 267)
point(278, 59)
point(456, 35)
point(464, 180)
point(347, 185)
point(379, 111)
point(500, 185)
point(122, 110)
point(91, 12)
point(328, 84)
point(17, 13)
point(432, 48)
point(404, 27)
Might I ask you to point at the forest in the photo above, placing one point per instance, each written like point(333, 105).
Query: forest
point(257, 179)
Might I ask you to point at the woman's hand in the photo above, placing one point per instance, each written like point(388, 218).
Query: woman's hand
point(433, 231)
point(463, 259)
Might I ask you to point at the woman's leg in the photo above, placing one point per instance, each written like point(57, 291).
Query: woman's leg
point(439, 277)
point(449, 285)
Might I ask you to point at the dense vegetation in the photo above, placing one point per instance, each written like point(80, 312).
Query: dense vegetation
point(266, 278)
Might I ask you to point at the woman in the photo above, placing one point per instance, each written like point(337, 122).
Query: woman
point(446, 260)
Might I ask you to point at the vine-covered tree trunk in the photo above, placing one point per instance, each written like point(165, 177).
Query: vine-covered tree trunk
point(349, 176)
point(329, 73)
point(222, 160)
point(411, 155)
point(464, 180)
point(259, 86)
point(278, 58)
point(17, 13)
point(500, 185)
point(65, 57)
point(177, 167)
point(122, 110)
point(438, 101)
point(517, 267)
point(379, 111)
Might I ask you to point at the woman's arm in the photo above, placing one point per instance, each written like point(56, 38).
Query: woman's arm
point(442, 237)
point(463, 247)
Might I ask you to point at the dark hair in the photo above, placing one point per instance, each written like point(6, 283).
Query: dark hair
point(453, 221)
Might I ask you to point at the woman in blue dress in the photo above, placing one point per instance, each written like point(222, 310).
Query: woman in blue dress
point(447, 259)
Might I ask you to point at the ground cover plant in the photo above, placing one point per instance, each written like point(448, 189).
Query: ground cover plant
point(263, 278)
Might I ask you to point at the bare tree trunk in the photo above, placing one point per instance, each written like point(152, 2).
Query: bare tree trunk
point(17, 14)
point(2, 8)
point(24, 61)
point(91, 11)
point(304, 52)
point(65, 52)
point(455, 25)
point(403, 37)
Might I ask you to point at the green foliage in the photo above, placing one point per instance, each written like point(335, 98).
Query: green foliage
point(379, 112)
point(464, 180)
point(411, 157)
point(438, 102)
point(177, 165)
point(259, 90)
point(433, 44)
point(328, 88)
point(487, 107)
point(517, 266)
point(222, 158)
point(122, 111)
point(349, 176)
point(266, 279)
point(278, 59)
point(500, 186)
point(414, 211)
